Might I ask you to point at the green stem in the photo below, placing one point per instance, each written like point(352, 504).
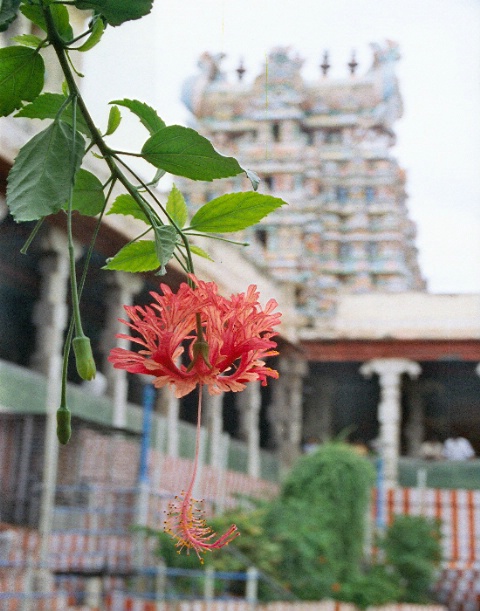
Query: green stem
point(71, 250)
point(71, 327)
point(183, 237)
point(31, 237)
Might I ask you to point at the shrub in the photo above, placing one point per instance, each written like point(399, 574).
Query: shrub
point(412, 547)
point(319, 520)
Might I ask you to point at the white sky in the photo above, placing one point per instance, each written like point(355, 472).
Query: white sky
point(439, 74)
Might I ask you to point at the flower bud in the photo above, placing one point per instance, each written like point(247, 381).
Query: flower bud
point(64, 428)
point(84, 358)
point(201, 349)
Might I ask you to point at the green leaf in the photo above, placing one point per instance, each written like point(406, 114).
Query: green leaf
point(96, 35)
point(40, 179)
point(233, 212)
point(138, 256)
point(28, 40)
point(147, 115)
point(176, 207)
point(114, 119)
point(200, 252)
point(117, 12)
point(8, 12)
point(47, 106)
point(165, 242)
point(184, 152)
point(88, 196)
point(21, 77)
point(126, 205)
point(60, 17)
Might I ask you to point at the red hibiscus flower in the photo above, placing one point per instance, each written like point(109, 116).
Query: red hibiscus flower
point(227, 339)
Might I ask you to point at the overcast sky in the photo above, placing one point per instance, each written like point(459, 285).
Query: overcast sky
point(439, 74)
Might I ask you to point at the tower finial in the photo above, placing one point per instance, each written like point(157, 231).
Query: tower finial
point(240, 70)
point(353, 64)
point(325, 65)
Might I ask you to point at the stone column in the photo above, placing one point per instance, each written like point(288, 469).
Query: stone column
point(285, 411)
point(214, 419)
point(50, 317)
point(122, 289)
point(390, 373)
point(249, 402)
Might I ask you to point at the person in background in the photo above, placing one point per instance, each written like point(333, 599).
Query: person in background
point(458, 448)
point(431, 449)
point(310, 445)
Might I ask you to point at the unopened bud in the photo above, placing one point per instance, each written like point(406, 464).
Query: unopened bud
point(200, 350)
point(84, 358)
point(64, 428)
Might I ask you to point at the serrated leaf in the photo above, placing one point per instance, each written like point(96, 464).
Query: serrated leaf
point(126, 205)
point(114, 119)
point(47, 106)
point(234, 212)
point(28, 40)
point(40, 179)
point(60, 17)
point(184, 152)
point(8, 12)
point(200, 252)
point(138, 256)
point(96, 35)
point(117, 12)
point(176, 207)
point(21, 77)
point(147, 115)
point(165, 243)
point(88, 196)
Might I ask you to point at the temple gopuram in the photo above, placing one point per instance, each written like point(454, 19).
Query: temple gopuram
point(325, 148)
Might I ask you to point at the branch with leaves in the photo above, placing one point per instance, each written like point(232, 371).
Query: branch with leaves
point(42, 183)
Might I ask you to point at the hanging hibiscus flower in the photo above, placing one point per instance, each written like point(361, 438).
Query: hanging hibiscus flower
point(227, 342)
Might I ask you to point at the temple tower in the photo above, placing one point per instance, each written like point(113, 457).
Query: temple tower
point(325, 148)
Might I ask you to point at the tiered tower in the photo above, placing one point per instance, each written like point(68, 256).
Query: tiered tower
point(324, 147)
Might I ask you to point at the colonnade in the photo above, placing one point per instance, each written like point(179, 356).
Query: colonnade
point(285, 412)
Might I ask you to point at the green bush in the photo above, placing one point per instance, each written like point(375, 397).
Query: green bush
point(412, 547)
point(319, 520)
point(375, 587)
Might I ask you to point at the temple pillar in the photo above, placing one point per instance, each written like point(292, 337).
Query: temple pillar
point(50, 317)
point(285, 411)
point(122, 288)
point(249, 403)
point(390, 373)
